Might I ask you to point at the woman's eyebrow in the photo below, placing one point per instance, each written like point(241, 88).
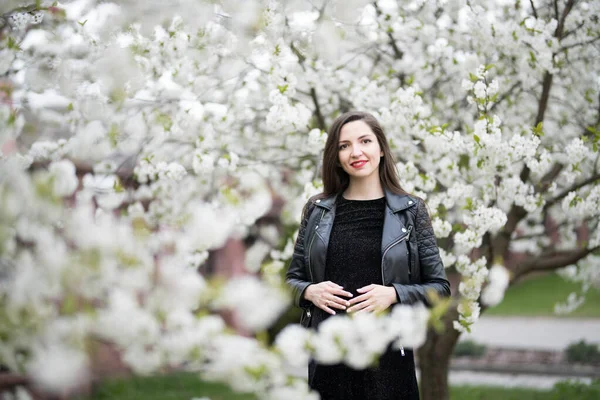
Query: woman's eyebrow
point(361, 137)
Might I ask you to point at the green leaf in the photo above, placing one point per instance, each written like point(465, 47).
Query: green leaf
point(113, 135)
point(257, 372)
point(118, 186)
point(69, 305)
point(489, 66)
point(588, 95)
point(468, 204)
point(532, 57)
point(12, 44)
point(282, 88)
point(458, 228)
point(476, 138)
point(473, 77)
point(12, 118)
point(463, 161)
point(538, 130)
point(164, 120)
point(82, 23)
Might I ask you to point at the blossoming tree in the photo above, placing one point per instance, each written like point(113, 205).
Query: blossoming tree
point(136, 139)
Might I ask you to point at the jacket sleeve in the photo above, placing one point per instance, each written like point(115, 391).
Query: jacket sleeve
point(296, 276)
point(433, 276)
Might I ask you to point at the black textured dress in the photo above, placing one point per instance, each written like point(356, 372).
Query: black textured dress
point(353, 261)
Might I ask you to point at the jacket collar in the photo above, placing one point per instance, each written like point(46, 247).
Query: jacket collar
point(396, 202)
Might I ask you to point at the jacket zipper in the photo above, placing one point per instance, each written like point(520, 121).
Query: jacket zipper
point(309, 249)
point(405, 237)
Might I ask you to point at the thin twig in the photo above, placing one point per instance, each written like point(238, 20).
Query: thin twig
point(535, 14)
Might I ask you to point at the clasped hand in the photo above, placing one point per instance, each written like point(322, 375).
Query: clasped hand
point(373, 298)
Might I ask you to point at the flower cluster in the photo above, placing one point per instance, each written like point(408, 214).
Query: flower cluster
point(136, 139)
point(498, 280)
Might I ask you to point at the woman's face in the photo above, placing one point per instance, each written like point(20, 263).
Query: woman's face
point(358, 150)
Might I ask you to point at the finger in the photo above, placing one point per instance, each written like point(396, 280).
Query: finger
point(328, 310)
point(332, 303)
point(338, 302)
point(366, 288)
point(341, 292)
point(359, 306)
point(337, 306)
point(333, 285)
point(366, 310)
point(359, 299)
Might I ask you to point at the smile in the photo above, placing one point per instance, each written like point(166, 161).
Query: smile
point(358, 164)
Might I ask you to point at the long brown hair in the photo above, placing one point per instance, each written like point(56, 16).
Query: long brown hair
point(335, 179)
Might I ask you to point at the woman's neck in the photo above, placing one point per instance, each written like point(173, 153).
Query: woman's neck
point(364, 190)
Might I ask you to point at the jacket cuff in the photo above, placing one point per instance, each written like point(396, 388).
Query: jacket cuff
point(300, 300)
point(401, 293)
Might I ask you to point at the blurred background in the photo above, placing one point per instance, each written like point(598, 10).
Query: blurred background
point(155, 158)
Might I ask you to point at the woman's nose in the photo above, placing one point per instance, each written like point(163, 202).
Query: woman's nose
point(356, 151)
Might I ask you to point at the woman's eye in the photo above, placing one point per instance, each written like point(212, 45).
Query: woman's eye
point(367, 141)
point(343, 146)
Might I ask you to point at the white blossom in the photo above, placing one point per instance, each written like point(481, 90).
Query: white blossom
point(255, 304)
point(441, 228)
point(58, 368)
point(64, 180)
point(498, 280)
point(293, 342)
point(190, 122)
point(573, 302)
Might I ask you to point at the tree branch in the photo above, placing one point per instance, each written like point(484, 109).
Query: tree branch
point(584, 43)
point(566, 192)
point(547, 179)
point(398, 54)
point(320, 119)
point(505, 95)
point(501, 241)
point(569, 33)
point(561, 22)
point(551, 261)
point(535, 14)
point(10, 381)
point(517, 213)
point(543, 104)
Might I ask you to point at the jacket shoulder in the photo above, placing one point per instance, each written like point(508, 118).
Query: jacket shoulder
point(310, 205)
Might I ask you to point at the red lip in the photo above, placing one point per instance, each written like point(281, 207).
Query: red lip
point(358, 164)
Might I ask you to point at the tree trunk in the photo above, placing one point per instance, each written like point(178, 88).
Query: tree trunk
point(434, 359)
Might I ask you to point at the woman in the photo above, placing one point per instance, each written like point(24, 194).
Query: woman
point(364, 244)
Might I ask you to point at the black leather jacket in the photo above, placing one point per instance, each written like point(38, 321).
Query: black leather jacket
point(410, 257)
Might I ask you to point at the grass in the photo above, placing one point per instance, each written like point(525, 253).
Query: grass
point(566, 390)
point(186, 386)
point(178, 386)
point(495, 393)
point(537, 297)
